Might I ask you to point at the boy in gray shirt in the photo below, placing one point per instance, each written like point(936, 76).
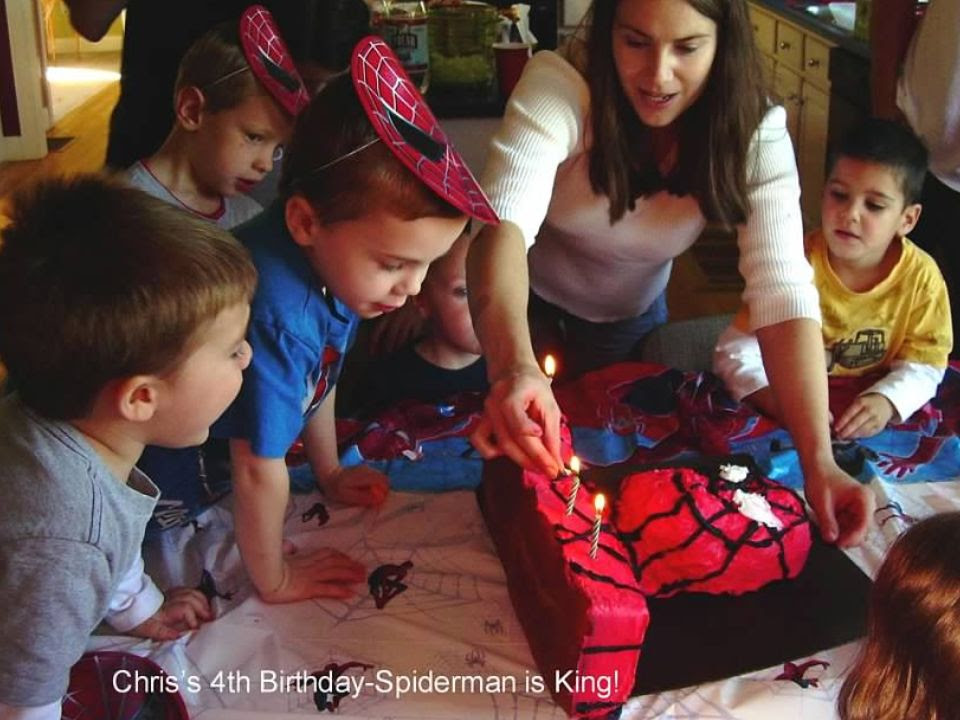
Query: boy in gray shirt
point(122, 323)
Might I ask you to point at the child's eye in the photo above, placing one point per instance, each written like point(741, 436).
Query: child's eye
point(875, 207)
point(838, 194)
point(255, 137)
point(391, 267)
point(460, 291)
point(687, 49)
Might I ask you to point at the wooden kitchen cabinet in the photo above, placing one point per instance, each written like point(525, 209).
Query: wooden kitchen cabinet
point(799, 62)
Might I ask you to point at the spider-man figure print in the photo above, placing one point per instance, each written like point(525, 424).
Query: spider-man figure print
point(386, 582)
point(329, 370)
point(330, 701)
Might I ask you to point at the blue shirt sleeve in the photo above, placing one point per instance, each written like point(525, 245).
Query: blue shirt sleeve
point(269, 411)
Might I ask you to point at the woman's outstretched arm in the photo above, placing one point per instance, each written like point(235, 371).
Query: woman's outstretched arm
point(794, 361)
point(521, 417)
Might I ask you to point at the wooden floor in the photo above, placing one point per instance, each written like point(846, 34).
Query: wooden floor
point(87, 125)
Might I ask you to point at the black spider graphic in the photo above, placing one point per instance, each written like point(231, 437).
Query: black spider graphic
point(386, 582)
point(330, 701)
point(209, 588)
point(493, 627)
point(475, 658)
point(318, 511)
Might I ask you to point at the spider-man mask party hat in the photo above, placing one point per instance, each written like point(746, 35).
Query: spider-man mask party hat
point(270, 61)
point(405, 124)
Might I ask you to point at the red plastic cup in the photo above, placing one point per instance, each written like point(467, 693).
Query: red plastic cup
point(511, 58)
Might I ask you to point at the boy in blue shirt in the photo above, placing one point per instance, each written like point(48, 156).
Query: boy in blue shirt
point(371, 194)
point(444, 361)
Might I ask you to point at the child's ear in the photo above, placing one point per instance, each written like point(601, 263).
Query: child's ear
point(189, 106)
point(303, 222)
point(908, 220)
point(136, 398)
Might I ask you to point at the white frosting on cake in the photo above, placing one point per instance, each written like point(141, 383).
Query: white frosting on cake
point(734, 473)
point(756, 508)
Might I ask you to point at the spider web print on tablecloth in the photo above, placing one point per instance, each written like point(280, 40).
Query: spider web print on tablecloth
point(387, 93)
point(455, 614)
point(243, 637)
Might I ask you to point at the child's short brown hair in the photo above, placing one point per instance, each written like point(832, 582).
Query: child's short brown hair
point(336, 161)
point(100, 281)
point(215, 64)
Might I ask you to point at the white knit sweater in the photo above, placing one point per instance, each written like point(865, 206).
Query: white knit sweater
point(537, 177)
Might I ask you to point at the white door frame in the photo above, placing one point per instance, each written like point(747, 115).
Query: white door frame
point(26, 40)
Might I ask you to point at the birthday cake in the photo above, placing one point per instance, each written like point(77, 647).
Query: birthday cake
point(727, 530)
point(584, 618)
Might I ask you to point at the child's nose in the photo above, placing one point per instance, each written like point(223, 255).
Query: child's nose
point(410, 283)
point(263, 161)
point(852, 212)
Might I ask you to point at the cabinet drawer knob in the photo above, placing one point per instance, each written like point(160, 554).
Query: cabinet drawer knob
point(813, 62)
point(784, 45)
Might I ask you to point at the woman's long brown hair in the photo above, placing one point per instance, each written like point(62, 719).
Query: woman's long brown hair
point(714, 133)
point(908, 668)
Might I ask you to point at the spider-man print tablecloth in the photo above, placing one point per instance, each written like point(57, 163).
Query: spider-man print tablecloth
point(448, 612)
point(649, 413)
point(435, 598)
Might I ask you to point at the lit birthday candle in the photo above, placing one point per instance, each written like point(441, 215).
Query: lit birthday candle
point(574, 483)
point(549, 367)
point(599, 502)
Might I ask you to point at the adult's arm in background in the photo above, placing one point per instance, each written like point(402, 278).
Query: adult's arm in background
point(891, 27)
point(92, 18)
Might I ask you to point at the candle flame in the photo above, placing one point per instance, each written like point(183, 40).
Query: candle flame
point(599, 502)
point(575, 465)
point(549, 366)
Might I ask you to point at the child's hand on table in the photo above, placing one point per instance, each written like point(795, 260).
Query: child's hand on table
point(357, 485)
point(318, 573)
point(183, 609)
point(866, 416)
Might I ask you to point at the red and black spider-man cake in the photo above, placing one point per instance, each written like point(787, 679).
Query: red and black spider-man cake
point(729, 531)
point(585, 618)
point(673, 530)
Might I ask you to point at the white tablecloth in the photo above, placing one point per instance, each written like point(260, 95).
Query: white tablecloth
point(454, 620)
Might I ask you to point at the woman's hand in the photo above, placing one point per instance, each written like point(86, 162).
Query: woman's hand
point(522, 421)
point(843, 507)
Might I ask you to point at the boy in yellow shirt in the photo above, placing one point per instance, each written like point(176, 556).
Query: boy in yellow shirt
point(883, 301)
